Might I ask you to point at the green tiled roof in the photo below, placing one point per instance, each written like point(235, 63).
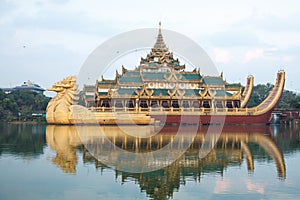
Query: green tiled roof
point(89, 96)
point(228, 94)
point(128, 79)
point(213, 80)
point(153, 63)
point(102, 93)
point(106, 83)
point(129, 91)
point(89, 87)
point(193, 77)
point(163, 92)
point(132, 73)
point(154, 75)
point(222, 93)
point(233, 85)
point(189, 92)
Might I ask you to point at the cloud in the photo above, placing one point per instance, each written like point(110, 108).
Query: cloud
point(253, 55)
point(73, 41)
point(222, 55)
point(287, 58)
point(274, 23)
point(221, 186)
point(259, 188)
point(271, 54)
point(234, 38)
point(249, 33)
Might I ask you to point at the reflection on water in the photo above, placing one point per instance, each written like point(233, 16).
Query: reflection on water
point(236, 145)
point(63, 140)
point(233, 144)
point(22, 140)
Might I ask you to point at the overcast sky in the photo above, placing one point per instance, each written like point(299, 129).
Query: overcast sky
point(45, 41)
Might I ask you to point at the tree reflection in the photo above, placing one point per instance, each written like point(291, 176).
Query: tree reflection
point(22, 139)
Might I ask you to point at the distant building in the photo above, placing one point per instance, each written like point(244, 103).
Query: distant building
point(27, 85)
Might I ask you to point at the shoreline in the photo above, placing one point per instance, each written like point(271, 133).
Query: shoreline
point(25, 122)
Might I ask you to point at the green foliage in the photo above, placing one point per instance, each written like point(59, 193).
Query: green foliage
point(23, 102)
point(288, 100)
point(259, 93)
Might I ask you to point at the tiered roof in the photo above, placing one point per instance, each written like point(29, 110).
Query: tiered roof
point(160, 56)
point(159, 66)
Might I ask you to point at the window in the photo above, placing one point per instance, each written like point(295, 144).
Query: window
point(229, 104)
point(129, 104)
point(206, 104)
point(219, 104)
point(105, 103)
point(143, 104)
point(185, 104)
point(196, 104)
point(154, 104)
point(175, 104)
point(165, 104)
point(119, 104)
point(236, 104)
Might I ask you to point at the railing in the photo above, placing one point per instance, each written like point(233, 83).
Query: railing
point(173, 110)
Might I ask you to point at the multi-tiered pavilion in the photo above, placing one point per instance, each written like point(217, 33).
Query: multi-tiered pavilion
point(160, 81)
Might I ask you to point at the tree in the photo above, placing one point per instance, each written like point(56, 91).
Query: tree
point(24, 102)
point(2, 94)
point(259, 93)
point(289, 99)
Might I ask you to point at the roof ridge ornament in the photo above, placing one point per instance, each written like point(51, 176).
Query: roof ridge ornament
point(160, 44)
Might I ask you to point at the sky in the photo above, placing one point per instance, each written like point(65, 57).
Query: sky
point(45, 41)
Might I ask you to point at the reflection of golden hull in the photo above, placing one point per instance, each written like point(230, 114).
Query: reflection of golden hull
point(63, 139)
point(235, 139)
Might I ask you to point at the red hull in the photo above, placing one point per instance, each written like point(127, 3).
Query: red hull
point(214, 119)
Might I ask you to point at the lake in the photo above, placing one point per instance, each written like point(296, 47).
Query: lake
point(148, 162)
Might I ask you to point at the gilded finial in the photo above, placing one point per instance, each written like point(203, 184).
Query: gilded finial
point(160, 44)
point(159, 28)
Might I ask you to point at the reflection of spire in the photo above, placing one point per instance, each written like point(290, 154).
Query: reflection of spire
point(160, 44)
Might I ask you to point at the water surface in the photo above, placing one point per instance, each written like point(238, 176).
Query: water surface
point(58, 162)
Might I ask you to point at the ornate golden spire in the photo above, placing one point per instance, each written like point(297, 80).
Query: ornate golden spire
point(160, 44)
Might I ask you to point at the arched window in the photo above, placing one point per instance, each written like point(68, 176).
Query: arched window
point(143, 104)
point(219, 104)
point(129, 104)
point(105, 103)
point(119, 104)
point(185, 104)
point(229, 104)
point(196, 104)
point(165, 104)
point(154, 104)
point(206, 104)
point(175, 104)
